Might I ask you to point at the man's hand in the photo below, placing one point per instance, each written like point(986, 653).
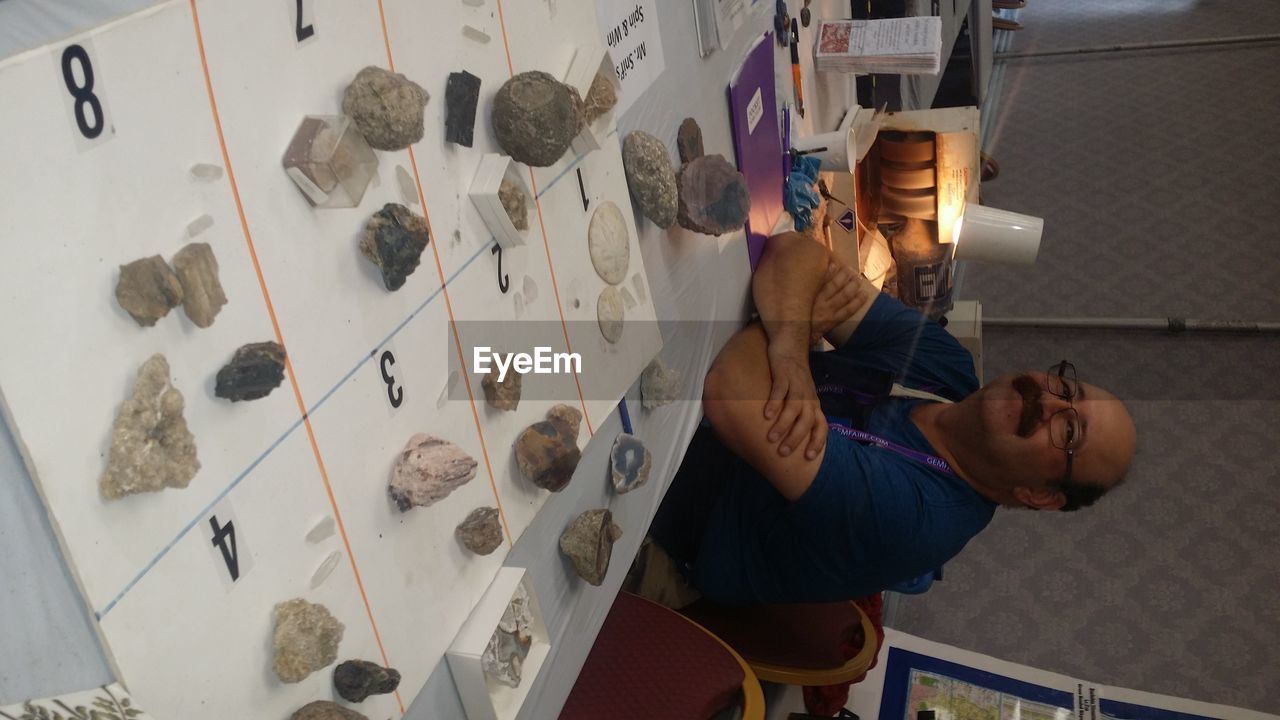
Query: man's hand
point(841, 296)
point(793, 401)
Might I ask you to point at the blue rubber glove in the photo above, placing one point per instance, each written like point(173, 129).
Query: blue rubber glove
point(800, 197)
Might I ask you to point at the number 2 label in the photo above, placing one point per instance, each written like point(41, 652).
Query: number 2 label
point(80, 76)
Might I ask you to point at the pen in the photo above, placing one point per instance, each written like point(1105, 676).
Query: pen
point(795, 65)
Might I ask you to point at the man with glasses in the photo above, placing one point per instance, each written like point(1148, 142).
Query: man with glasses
point(831, 476)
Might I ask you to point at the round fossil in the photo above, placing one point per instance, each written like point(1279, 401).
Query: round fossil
point(609, 243)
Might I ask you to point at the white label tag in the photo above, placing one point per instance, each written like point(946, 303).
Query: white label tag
point(755, 111)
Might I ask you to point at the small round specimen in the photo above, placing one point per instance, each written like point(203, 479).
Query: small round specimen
point(148, 290)
point(547, 451)
point(428, 470)
point(651, 177)
point(356, 680)
point(610, 310)
point(629, 463)
point(481, 532)
point(535, 118)
point(306, 639)
point(609, 243)
point(151, 447)
point(325, 710)
point(387, 107)
point(713, 196)
point(254, 371)
point(394, 240)
point(588, 542)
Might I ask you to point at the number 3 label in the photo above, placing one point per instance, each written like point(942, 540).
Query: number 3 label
point(80, 78)
point(224, 536)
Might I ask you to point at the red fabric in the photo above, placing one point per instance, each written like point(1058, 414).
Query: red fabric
point(797, 635)
point(828, 699)
point(650, 662)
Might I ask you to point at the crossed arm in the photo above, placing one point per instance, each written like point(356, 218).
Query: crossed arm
point(759, 395)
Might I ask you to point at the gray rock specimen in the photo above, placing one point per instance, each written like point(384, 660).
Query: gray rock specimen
point(713, 196)
point(629, 463)
point(151, 447)
point(503, 658)
point(461, 93)
point(254, 371)
point(601, 98)
point(356, 680)
point(536, 118)
point(659, 385)
point(325, 710)
point(611, 310)
point(609, 243)
point(503, 395)
point(547, 451)
point(651, 177)
point(515, 202)
point(148, 290)
point(306, 639)
point(588, 542)
point(689, 141)
point(481, 532)
point(387, 107)
point(394, 239)
point(202, 295)
point(428, 470)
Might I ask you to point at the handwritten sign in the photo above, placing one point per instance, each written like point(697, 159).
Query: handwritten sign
point(630, 30)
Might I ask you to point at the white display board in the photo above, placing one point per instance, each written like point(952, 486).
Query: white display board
point(98, 159)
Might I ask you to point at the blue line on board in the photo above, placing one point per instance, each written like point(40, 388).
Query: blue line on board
point(364, 358)
point(625, 417)
point(569, 167)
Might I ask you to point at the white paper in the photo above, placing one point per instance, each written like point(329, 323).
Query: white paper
point(730, 14)
point(630, 30)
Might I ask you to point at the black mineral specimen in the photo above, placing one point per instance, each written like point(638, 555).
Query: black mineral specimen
point(254, 371)
point(461, 94)
point(356, 680)
point(394, 239)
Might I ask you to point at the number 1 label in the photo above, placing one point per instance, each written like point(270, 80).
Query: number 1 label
point(225, 538)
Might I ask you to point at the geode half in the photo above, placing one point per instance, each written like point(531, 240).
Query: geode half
point(394, 239)
point(151, 447)
point(387, 107)
point(629, 463)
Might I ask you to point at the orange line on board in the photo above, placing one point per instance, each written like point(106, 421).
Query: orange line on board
point(555, 288)
point(275, 325)
point(448, 304)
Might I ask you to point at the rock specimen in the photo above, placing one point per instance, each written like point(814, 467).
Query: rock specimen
point(503, 395)
point(356, 680)
point(689, 141)
point(588, 542)
point(611, 308)
point(535, 118)
point(547, 451)
point(515, 202)
point(713, 196)
point(394, 239)
point(428, 470)
point(387, 107)
point(503, 657)
point(254, 371)
point(481, 532)
point(659, 385)
point(461, 93)
point(325, 710)
point(629, 463)
point(148, 290)
point(151, 447)
point(650, 177)
point(306, 639)
point(609, 243)
point(202, 295)
point(600, 99)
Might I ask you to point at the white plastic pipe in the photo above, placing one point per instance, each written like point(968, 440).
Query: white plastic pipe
point(990, 235)
point(1171, 324)
point(1162, 45)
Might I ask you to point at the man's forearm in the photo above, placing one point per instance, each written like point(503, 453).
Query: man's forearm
point(784, 287)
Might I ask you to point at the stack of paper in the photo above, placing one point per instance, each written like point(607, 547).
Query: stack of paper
point(907, 46)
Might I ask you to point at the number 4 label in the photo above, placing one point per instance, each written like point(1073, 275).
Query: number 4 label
point(224, 536)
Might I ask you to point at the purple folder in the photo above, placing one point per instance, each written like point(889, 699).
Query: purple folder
point(753, 114)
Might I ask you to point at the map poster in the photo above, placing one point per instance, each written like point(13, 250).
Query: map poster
point(916, 679)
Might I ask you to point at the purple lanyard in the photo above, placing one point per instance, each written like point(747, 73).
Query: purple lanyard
point(932, 461)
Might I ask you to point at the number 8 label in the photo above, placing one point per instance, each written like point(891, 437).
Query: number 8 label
point(82, 83)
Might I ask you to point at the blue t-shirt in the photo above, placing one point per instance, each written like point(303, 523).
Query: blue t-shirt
point(871, 518)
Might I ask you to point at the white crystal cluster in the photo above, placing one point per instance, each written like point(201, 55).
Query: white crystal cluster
point(503, 658)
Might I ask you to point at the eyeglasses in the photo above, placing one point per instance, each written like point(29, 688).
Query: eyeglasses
point(1064, 426)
